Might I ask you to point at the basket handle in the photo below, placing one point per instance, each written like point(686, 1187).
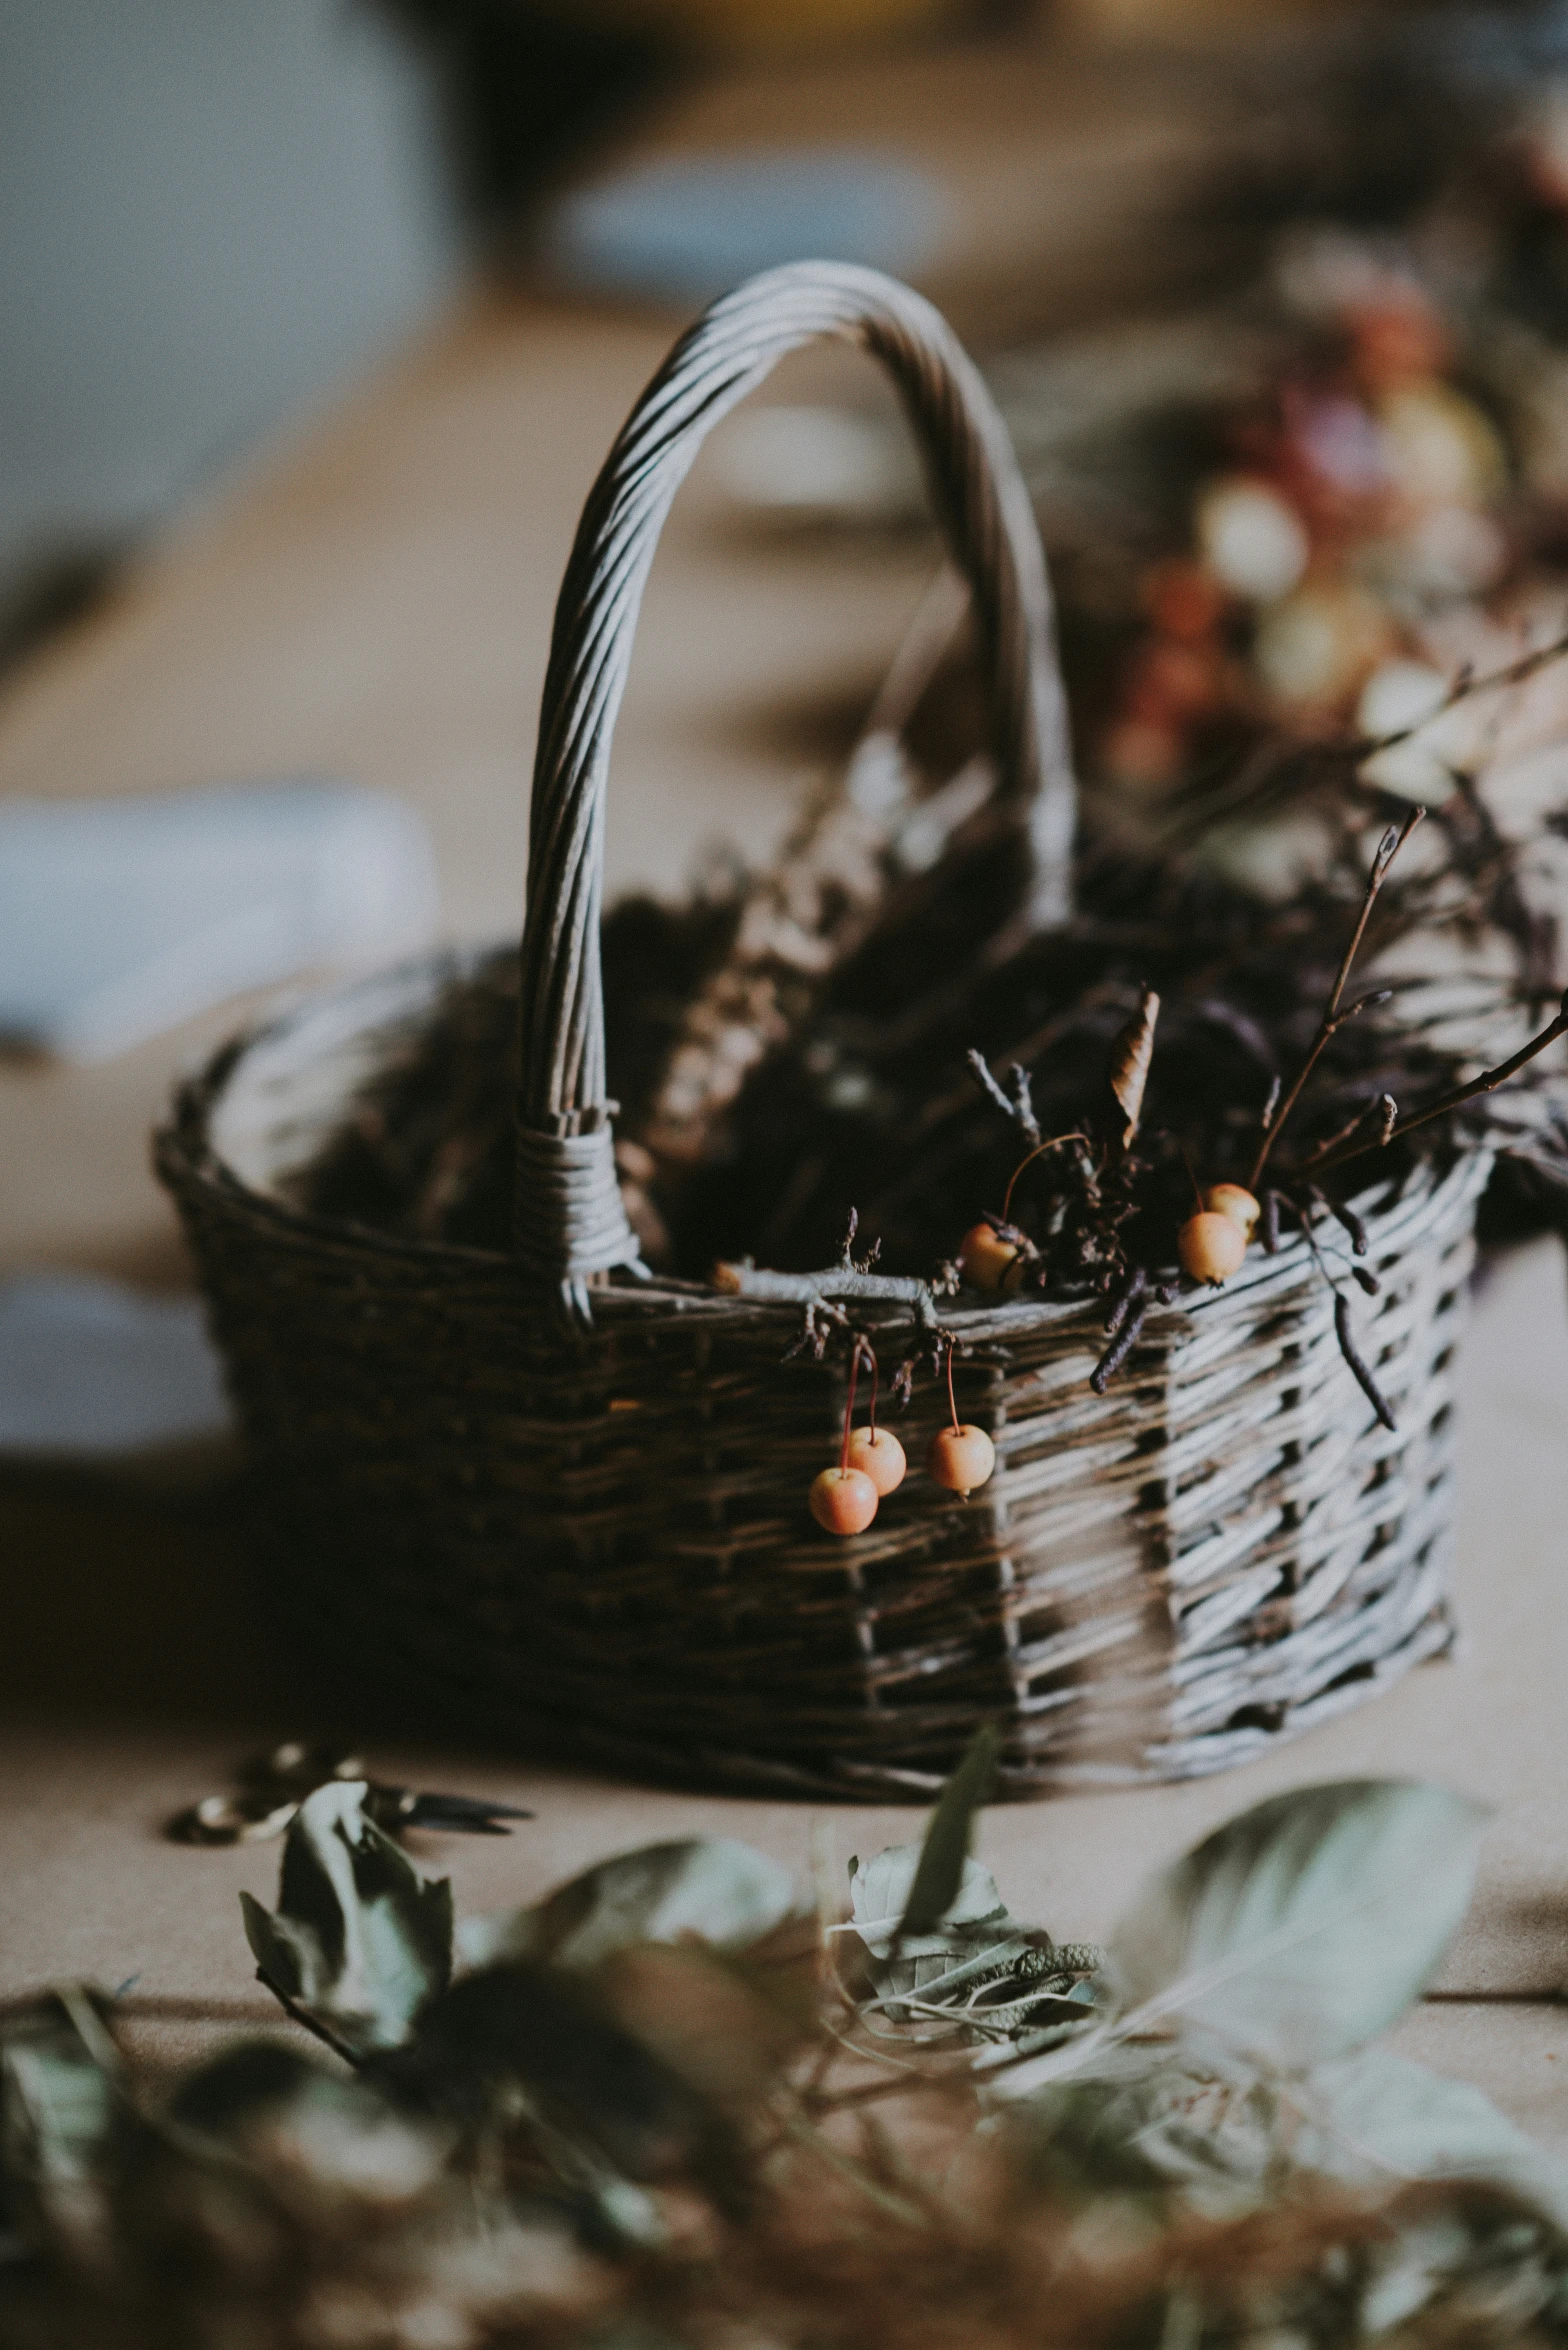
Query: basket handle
point(570, 1222)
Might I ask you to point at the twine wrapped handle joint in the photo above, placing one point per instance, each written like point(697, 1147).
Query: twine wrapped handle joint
point(570, 1224)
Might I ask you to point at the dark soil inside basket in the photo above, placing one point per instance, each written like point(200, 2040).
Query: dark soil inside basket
point(870, 1105)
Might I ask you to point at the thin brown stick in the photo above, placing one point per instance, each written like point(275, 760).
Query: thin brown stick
point(1464, 686)
point(1487, 1082)
point(1388, 849)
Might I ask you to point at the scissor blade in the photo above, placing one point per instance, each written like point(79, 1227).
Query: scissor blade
point(473, 1815)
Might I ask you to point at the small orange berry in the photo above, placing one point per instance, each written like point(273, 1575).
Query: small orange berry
point(879, 1457)
point(1211, 1247)
point(986, 1258)
point(844, 1501)
point(1235, 1201)
point(961, 1458)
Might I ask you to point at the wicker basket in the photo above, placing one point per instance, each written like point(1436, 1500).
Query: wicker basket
point(570, 1501)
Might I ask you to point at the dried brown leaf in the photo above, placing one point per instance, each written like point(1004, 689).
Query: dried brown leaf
point(1131, 1055)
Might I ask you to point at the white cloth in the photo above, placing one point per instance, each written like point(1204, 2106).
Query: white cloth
point(120, 918)
point(94, 1371)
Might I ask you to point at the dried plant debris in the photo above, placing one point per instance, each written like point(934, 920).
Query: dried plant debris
point(676, 2103)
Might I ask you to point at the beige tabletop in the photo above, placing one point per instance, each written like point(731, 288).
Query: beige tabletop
point(373, 601)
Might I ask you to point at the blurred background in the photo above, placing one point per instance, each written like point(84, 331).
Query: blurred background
point(320, 315)
point(215, 214)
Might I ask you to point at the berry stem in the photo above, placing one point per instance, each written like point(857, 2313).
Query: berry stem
point(871, 1357)
point(1028, 1161)
point(849, 1404)
point(951, 1405)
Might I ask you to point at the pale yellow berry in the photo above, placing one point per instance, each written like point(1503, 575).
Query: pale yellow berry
point(843, 1501)
point(987, 1259)
point(1211, 1247)
point(1235, 1201)
point(961, 1458)
point(879, 1457)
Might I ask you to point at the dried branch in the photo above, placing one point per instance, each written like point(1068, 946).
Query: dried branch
point(1466, 684)
point(1018, 1105)
point(1126, 1298)
point(1119, 1349)
point(1347, 1347)
point(1354, 1359)
point(1487, 1082)
point(1334, 1019)
point(837, 1282)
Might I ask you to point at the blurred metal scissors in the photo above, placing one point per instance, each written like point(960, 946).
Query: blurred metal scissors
point(271, 1790)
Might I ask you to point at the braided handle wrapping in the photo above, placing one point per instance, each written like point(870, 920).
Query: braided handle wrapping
point(570, 1222)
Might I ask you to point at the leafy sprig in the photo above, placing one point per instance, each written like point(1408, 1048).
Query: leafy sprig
point(607, 2116)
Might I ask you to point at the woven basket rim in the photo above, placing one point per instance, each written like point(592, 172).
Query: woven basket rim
point(186, 1139)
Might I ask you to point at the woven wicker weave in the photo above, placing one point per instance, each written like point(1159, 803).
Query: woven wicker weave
point(575, 1507)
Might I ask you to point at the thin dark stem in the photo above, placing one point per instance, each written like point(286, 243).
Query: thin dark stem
point(849, 1404)
point(1019, 1109)
point(1119, 1349)
point(1191, 1178)
point(951, 1404)
point(1355, 1362)
point(1464, 685)
point(299, 2016)
point(1363, 1375)
point(1388, 849)
point(1487, 1082)
point(1049, 1145)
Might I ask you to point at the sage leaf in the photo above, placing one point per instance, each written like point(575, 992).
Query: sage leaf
point(939, 1872)
point(1305, 1926)
point(288, 2117)
point(59, 2117)
point(1375, 2119)
point(880, 1899)
point(1145, 2115)
point(360, 1941)
point(711, 1887)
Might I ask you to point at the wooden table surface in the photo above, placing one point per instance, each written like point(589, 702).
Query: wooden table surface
point(373, 600)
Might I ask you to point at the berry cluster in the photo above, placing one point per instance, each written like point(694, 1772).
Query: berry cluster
point(872, 1464)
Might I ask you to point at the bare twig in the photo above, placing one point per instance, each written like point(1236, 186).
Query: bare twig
point(1126, 1298)
point(1347, 1347)
point(1017, 1105)
point(838, 1281)
point(1487, 1082)
point(1119, 1349)
point(1388, 849)
point(1346, 1336)
point(1465, 685)
point(1382, 1113)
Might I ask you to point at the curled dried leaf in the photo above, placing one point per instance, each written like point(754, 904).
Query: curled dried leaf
point(1131, 1055)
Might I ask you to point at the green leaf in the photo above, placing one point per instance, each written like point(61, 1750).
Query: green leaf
point(56, 2099)
point(709, 1887)
point(1230, 2136)
point(1307, 1925)
point(360, 1940)
point(60, 2118)
point(288, 2115)
point(939, 1873)
point(1375, 2119)
point(879, 1895)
